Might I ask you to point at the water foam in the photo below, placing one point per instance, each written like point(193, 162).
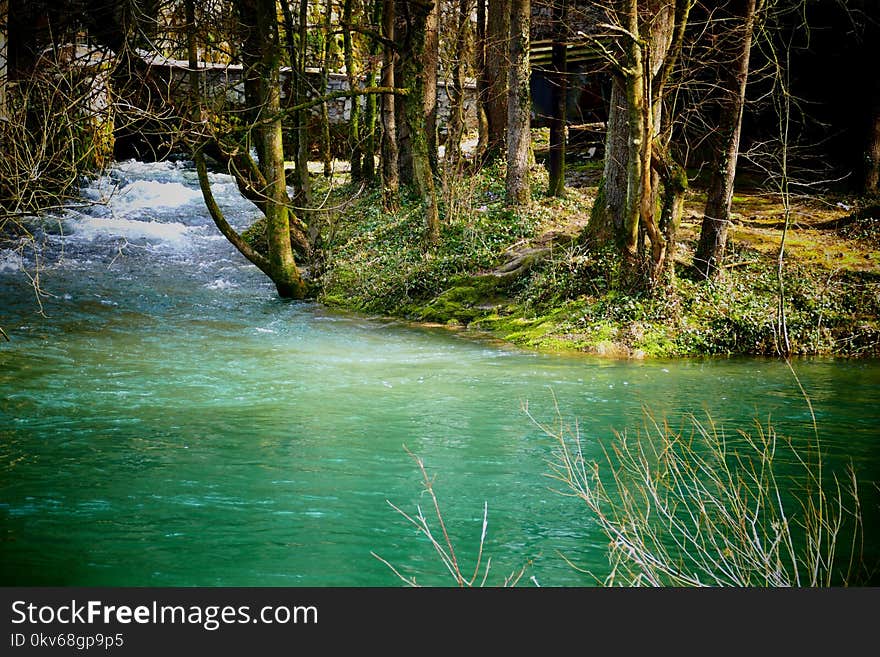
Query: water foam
point(221, 284)
point(153, 194)
point(10, 260)
point(131, 229)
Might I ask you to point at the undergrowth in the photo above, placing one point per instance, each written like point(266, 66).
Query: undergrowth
point(566, 300)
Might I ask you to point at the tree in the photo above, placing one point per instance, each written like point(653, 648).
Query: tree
point(731, 90)
point(390, 180)
point(297, 52)
point(354, 134)
point(519, 106)
point(452, 155)
point(326, 154)
point(645, 41)
point(431, 62)
point(369, 159)
point(279, 264)
point(413, 69)
point(482, 79)
point(558, 89)
point(496, 78)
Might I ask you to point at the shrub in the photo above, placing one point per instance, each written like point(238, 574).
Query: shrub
point(702, 509)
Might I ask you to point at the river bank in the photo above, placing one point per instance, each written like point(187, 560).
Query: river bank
point(527, 278)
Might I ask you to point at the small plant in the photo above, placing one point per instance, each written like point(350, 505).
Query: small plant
point(702, 509)
point(442, 543)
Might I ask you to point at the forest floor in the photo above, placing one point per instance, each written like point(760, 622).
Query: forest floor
point(526, 278)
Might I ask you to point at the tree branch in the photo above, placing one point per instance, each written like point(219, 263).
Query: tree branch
point(343, 93)
point(367, 32)
point(682, 11)
point(220, 220)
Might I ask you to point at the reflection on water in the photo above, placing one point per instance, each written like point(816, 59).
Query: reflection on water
point(170, 422)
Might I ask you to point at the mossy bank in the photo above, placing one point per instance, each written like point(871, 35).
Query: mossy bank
point(529, 278)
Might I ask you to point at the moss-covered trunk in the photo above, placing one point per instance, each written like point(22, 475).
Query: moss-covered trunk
point(279, 264)
point(637, 177)
point(626, 208)
point(284, 272)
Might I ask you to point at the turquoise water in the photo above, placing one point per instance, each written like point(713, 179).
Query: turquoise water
point(167, 421)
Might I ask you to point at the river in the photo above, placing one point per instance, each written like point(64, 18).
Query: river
point(166, 420)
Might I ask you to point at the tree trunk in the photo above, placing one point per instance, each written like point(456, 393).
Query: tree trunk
point(326, 155)
point(675, 183)
point(558, 104)
point(482, 81)
point(413, 68)
point(637, 107)
point(296, 48)
point(284, 272)
point(519, 106)
point(390, 181)
point(404, 146)
point(432, 61)
point(497, 51)
point(354, 134)
point(452, 155)
point(625, 209)
point(369, 164)
point(279, 265)
point(606, 217)
point(872, 155)
point(732, 89)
